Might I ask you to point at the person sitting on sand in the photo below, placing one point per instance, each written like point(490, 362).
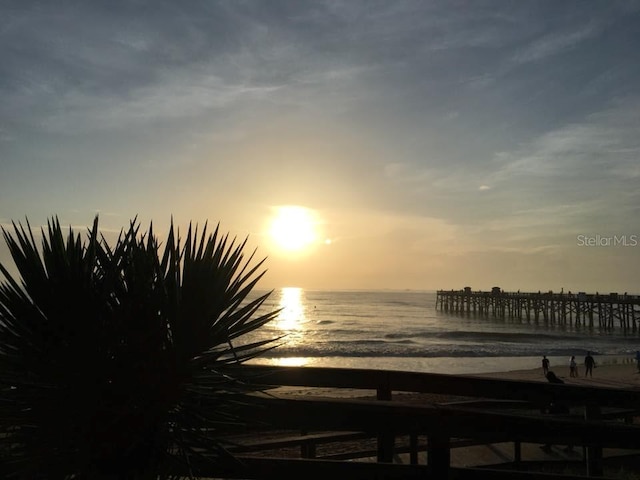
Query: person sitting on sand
point(555, 408)
point(589, 363)
point(553, 378)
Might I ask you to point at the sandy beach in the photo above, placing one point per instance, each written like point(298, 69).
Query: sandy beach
point(611, 372)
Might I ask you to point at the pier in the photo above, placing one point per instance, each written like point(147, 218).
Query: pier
point(606, 311)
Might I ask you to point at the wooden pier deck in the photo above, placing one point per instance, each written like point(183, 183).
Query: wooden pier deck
point(606, 311)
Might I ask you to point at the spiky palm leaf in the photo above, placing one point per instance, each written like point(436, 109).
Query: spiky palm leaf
point(115, 361)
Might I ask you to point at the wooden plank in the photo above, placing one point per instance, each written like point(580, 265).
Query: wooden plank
point(242, 446)
point(285, 469)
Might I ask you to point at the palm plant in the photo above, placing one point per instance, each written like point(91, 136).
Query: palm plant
point(117, 362)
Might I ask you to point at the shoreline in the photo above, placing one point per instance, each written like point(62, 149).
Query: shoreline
point(612, 371)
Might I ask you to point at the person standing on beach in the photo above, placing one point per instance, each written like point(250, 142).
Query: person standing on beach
point(573, 367)
point(545, 365)
point(589, 363)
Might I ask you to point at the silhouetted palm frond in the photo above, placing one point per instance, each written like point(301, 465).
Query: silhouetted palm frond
point(116, 361)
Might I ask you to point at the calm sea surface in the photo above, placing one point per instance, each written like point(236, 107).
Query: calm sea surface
point(404, 331)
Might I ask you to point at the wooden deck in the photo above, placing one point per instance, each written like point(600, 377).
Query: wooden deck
point(504, 429)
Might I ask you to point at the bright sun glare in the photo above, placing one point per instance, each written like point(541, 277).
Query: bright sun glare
point(293, 229)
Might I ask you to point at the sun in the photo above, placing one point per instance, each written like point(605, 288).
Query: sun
point(293, 229)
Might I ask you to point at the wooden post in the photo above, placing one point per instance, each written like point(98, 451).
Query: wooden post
point(386, 439)
point(413, 445)
point(439, 455)
point(386, 446)
point(517, 452)
point(594, 452)
point(308, 449)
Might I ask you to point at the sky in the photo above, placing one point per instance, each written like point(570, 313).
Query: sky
point(434, 144)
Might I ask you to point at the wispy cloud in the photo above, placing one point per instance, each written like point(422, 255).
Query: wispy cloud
point(602, 144)
point(554, 44)
point(173, 98)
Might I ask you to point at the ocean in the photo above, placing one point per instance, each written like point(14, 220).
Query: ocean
point(402, 330)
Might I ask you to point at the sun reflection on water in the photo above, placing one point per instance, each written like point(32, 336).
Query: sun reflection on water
point(290, 326)
point(292, 315)
point(291, 361)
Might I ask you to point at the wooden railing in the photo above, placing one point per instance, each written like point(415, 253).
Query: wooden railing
point(384, 382)
point(439, 423)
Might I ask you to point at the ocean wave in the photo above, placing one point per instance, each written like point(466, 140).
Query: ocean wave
point(375, 348)
point(482, 336)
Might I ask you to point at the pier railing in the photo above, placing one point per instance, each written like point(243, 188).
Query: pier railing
point(607, 311)
point(440, 424)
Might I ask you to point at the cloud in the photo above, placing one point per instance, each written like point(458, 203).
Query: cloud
point(579, 175)
point(604, 143)
point(172, 98)
point(555, 43)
